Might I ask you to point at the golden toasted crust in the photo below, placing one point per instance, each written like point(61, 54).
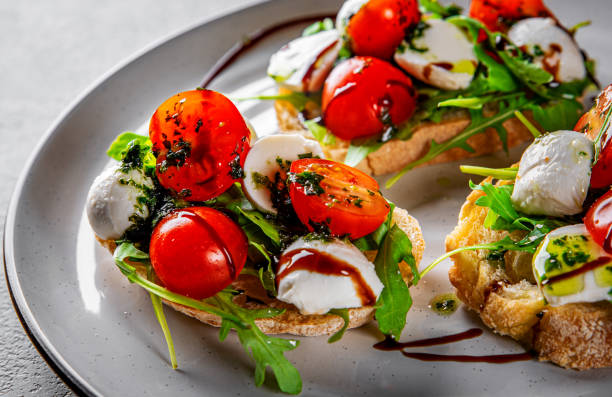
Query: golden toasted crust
point(291, 321)
point(395, 154)
point(575, 336)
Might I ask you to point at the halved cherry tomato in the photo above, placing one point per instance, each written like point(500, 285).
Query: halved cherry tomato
point(495, 14)
point(598, 221)
point(591, 124)
point(335, 195)
point(379, 26)
point(200, 141)
point(363, 95)
point(197, 251)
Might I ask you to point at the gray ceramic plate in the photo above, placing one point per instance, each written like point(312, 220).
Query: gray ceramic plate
point(100, 332)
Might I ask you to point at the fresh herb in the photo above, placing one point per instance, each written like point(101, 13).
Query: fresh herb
point(134, 148)
point(357, 151)
point(395, 300)
point(496, 173)
point(344, 315)
point(415, 33)
point(297, 99)
point(176, 156)
point(530, 127)
point(265, 350)
point(557, 115)
point(319, 26)
point(320, 133)
point(432, 6)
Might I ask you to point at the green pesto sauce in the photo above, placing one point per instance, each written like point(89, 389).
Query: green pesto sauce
point(445, 304)
point(566, 254)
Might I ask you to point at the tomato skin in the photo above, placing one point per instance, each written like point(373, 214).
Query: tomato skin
point(379, 26)
point(493, 13)
point(598, 221)
point(591, 124)
point(360, 91)
point(351, 204)
point(197, 251)
point(196, 135)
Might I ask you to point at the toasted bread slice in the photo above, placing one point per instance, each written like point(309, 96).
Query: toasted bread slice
point(395, 154)
point(577, 335)
point(291, 321)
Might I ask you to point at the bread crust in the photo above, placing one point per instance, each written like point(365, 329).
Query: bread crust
point(577, 335)
point(395, 154)
point(292, 321)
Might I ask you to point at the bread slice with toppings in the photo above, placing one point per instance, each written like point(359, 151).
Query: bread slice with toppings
point(576, 335)
point(292, 321)
point(395, 154)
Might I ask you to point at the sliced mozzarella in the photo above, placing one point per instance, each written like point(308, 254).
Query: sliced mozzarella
point(115, 199)
point(315, 292)
point(554, 175)
point(554, 49)
point(448, 59)
point(304, 63)
point(348, 9)
point(261, 162)
point(567, 249)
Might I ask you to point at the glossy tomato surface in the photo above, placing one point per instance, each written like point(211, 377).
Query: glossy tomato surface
point(598, 221)
point(496, 14)
point(379, 26)
point(334, 195)
point(197, 251)
point(363, 95)
point(200, 141)
point(596, 125)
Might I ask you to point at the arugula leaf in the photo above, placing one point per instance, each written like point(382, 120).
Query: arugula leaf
point(344, 315)
point(395, 300)
point(557, 115)
point(432, 6)
point(497, 173)
point(319, 26)
point(373, 240)
point(265, 225)
point(468, 103)
point(265, 350)
point(297, 99)
point(265, 273)
point(497, 198)
point(126, 142)
point(320, 133)
point(357, 152)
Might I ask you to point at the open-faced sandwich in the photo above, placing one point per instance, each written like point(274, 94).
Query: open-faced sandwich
point(390, 85)
point(261, 236)
point(532, 252)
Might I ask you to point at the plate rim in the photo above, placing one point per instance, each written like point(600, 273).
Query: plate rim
point(75, 382)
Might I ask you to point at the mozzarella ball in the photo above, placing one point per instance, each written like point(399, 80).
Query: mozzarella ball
point(554, 49)
point(115, 198)
point(314, 292)
point(554, 175)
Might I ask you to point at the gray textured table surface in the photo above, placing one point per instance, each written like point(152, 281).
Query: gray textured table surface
point(51, 52)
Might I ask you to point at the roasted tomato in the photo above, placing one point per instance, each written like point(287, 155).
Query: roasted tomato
point(592, 123)
point(496, 14)
point(380, 26)
point(327, 194)
point(363, 95)
point(197, 251)
point(200, 141)
point(598, 221)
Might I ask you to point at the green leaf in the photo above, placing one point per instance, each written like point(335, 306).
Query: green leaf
point(265, 273)
point(497, 198)
point(496, 173)
point(394, 301)
point(468, 103)
point(120, 145)
point(319, 26)
point(356, 153)
point(557, 115)
point(297, 99)
point(432, 6)
point(265, 225)
point(373, 240)
point(320, 133)
point(265, 350)
point(161, 318)
point(344, 314)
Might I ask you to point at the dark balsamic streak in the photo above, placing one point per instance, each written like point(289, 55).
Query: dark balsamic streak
point(249, 41)
point(389, 344)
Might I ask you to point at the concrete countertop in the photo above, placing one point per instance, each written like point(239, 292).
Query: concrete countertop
point(51, 52)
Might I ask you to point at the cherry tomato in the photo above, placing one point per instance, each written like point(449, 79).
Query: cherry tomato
point(379, 26)
point(598, 221)
point(197, 251)
point(335, 195)
point(495, 14)
point(591, 124)
point(200, 141)
point(363, 95)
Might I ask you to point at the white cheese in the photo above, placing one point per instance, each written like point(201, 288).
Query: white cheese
point(114, 199)
point(317, 293)
point(576, 243)
point(561, 55)
point(261, 161)
point(303, 64)
point(554, 175)
point(448, 59)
